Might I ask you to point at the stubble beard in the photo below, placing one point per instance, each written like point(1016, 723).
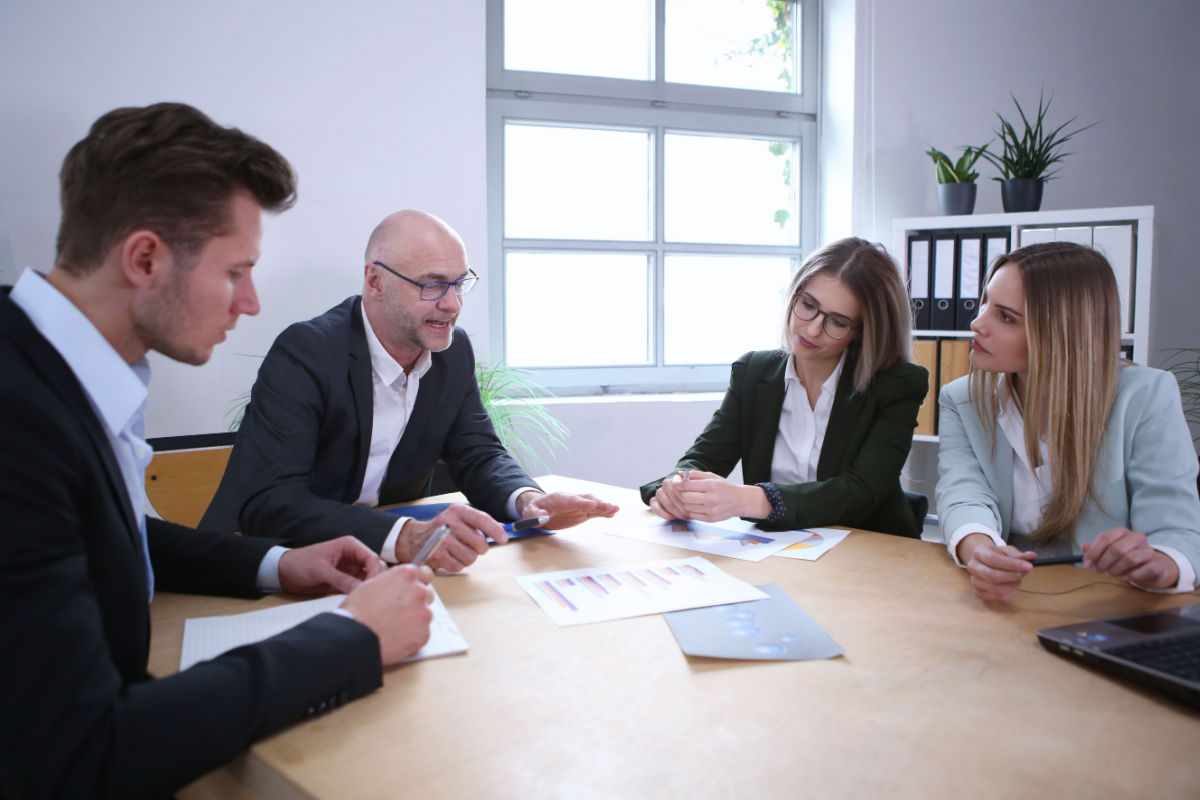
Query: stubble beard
point(159, 317)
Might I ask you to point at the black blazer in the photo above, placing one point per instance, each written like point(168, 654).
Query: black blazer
point(81, 718)
point(865, 446)
point(301, 452)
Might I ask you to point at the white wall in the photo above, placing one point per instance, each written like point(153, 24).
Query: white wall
point(379, 106)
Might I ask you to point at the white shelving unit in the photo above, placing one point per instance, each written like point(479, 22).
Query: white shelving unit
point(1027, 227)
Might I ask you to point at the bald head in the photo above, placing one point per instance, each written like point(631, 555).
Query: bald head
point(407, 236)
point(419, 248)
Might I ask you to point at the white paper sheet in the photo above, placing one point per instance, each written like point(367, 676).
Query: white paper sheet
point(596, 594)
point(209, 637)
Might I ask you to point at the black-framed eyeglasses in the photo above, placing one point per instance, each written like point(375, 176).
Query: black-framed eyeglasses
point(436, 290)
point(835, 326)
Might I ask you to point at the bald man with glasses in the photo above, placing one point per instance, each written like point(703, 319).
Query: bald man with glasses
point(352, 409)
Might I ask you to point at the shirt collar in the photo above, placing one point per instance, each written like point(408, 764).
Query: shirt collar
point(790, 378)
point(118, 390)
point(386, 368)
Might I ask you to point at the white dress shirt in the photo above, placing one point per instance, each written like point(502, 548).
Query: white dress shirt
point(394, 396)
point(802, 426)
point(1032, 489)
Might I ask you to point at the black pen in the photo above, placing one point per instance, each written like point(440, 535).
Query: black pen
point(1048, 560)
point(526, 524)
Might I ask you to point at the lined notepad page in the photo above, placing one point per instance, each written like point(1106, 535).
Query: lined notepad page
point(209, 637)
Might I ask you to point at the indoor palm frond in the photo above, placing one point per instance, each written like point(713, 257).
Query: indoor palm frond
point(510, 397)
point(1185, 363)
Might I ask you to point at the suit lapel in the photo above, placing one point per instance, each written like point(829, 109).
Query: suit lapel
point(362, 394)
point(62, 381)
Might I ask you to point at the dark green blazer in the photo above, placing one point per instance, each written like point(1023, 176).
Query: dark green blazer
point(865, 447)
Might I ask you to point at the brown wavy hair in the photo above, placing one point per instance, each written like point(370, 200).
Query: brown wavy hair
point(167, 168)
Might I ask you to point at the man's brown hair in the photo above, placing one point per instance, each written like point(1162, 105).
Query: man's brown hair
point(167, 168)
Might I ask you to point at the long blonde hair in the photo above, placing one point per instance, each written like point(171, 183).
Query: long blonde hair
point(868, 271)
point(1072, 325)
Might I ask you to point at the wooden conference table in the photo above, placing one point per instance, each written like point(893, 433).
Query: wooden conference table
point(936, 696)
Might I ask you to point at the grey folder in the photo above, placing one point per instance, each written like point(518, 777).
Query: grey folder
point(775, 629)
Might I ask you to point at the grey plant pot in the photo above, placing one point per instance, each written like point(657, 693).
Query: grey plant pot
point(1022, 194)
point(956, 198)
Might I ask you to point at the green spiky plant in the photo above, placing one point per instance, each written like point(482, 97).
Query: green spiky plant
point(508, 396)
point(961, 171)
point(1032, 152)
point(1185, 363)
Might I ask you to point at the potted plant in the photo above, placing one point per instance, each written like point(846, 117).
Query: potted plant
point(956, 179)
point(1027, 156)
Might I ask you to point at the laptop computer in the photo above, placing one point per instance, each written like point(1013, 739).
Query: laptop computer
point(1160, 650)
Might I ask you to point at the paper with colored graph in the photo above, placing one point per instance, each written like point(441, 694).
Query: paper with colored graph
point(732, 538)
point(815, 543)
point(595, 594)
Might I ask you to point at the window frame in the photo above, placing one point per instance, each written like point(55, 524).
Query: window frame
point(662, 108)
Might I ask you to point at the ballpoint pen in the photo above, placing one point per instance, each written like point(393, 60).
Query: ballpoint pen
point(526, 524)
point(430, 545)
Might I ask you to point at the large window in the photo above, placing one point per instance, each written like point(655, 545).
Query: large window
point(651, 185)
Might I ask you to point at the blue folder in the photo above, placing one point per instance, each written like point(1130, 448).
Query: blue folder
point(430, 510)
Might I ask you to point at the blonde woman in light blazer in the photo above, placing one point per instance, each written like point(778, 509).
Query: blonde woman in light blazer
point(1052, 445)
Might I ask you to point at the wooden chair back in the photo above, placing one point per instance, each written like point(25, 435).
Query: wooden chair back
point(181, 483)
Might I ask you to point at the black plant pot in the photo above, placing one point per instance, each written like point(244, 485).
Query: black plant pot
point(1022, 194)
point(956, 198)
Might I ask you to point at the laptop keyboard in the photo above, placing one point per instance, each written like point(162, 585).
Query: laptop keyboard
point(1178, 656)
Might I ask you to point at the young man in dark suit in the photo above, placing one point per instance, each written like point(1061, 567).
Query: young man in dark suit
point(160, 230)
point(355, 407)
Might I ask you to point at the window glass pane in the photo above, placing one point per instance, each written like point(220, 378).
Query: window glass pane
point(609, 39)
point(565, 182)
point(737, 190)
point(718, 307)
point(576, 309)
point(740, 44)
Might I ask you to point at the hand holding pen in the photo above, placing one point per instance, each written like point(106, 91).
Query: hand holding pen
point(430, 545)
point(466, 540)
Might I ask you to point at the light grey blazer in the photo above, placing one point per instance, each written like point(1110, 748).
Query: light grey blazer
point(1145, 477)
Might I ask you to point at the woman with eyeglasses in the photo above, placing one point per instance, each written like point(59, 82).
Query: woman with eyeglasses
point(1052, 446)
point(822, 427)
